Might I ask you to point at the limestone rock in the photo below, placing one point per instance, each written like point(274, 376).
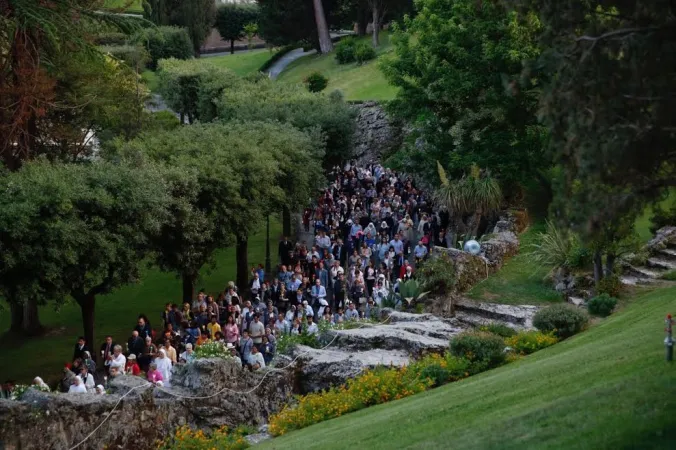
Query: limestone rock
point(499, 247)
point(663, 237)
point(376, 134)
point(479, 313)
point(469, 269)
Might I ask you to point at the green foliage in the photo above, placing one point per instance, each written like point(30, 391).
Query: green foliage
point(111, 38)
point(345, 50)
point(164, 42)
point(612, 97)
point(191, 87)
point(161, 121)
point(601, 305)
point(479, 347)
point(316, 82)
point(211, 349)
point(499, 329)
point(610, 285)
point(231, 18)
point(662, 217)
point(527, 342)
point(134, 56)
point(364, 52)
point(284, 22)
point(185, 438)
point(287, 342)
point(332, 122)
point(458, 66)
point(670, 275)
point(196, 16)
point(554, 247)
point(437, 274)
point(563, 320)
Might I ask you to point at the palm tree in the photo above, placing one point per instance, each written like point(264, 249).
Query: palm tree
point(325, 43)
point(477, 193)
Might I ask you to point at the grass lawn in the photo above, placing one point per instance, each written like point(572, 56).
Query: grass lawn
point(22, 360)
point(129, 6)
point(606, 388)
point(643, 221)
point(520, 281)
point(242, 63)
point(151, 80)
point(365, 82)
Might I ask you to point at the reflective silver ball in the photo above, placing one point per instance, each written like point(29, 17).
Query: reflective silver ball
point(472, 247)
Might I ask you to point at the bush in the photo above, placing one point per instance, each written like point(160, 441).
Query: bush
point(161, 120)
point(602, 305)
point(345, 50)
point(611, 285)
point(563, 320)
point(662, 218)
point(185, 438)
point(528, 342)
point(165, 42)
point(111, 38)
point(499, 329)
point(132, 55)
point(670, 276)
point(479, 347)
point(316, 82)
point(210, 349)
point(364, 52)
point(437, 274)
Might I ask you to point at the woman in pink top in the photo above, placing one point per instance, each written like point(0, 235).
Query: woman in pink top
point(231, 331)
point(154, 375)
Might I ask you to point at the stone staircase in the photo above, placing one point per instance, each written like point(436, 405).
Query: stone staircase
point(662, 260)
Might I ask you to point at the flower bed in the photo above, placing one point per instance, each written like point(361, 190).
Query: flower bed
point(185, 438)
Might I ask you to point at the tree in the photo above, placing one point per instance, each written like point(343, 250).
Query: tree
point(380, 9)
point(458, 67)
point(476, 195)
point(197, 16)
point(231, 19)
point(79, 230)
point(609, 105)
point(325, 43)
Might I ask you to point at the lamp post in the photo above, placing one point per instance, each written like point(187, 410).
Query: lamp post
point(669, 341)
point(267, 245)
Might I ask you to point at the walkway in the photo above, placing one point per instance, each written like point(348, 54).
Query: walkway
point(283, 62)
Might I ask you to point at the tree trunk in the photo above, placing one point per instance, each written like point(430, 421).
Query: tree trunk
point(189, 287)
point(232, 46)
point(476, 224)
point(610, 264)
point(286, 222)
point(325, 43)
point(31, 319)
point(598, 267)
point(88, 307)
point(362, 22)
point(376, 25)
point(16, 311)
point(242, 250)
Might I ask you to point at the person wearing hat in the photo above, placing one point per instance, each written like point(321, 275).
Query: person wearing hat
point(309, 312)
point(132, 367)
point(100, 390)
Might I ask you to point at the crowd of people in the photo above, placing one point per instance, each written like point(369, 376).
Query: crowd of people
point(370, 228)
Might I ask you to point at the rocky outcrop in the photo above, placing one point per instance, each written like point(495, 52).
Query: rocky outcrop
point(519, 317)
point(57, 421)
point(469, 269)
point(499, 247)
point(656, 259)
point(376, 133)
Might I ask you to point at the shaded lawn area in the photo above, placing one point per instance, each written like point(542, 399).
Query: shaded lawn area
point(150, 79)
point(23, 359)
point(608, 387)
point(243, 63)
point(365, 82)
point(521, 279)
point(129, 6)
point(643, 221)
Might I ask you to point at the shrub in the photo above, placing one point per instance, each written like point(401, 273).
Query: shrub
point(528, 342)
point(363, 52)
point(345, 50)
point(441, 369)
point(164, 42)
point(499, 329)
point(437, 274)
point(287, 341)
point(670, 276)
point(111, 38)
point(611, 285)
point(316, 82)
point(210, 349)
point(479, 347)
point(132, 55)
point(601, 305)
point(185, 438)
point(662, 218)
point(161, 120)
point(554, 247)
point(563, 320)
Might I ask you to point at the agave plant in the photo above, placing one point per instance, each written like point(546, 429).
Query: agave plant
point(411, 292)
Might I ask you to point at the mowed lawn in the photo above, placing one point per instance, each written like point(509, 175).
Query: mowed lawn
point(24, 359)
point(521, 279)
point(607, 388)
point(129, 6)
point(358, 82)
point(242, 63)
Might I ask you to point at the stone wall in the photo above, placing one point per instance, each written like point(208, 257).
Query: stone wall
point(59, 421)
point(376, 133)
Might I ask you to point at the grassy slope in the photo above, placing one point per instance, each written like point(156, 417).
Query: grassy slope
point(520, 281)
point(365, 82)
point(606, 388)
point(643, 222)
point(115, 314)
point(242, 63)
point(130, 6)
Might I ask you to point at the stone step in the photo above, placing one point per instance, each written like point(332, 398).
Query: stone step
point(577, 301)
point(667, 253)
point(661, 263)
point(644, 272)
point(520, 315)
point(388, 338)
point(630, 280)
point(475, 320)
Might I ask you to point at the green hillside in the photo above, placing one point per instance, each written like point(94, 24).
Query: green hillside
point(128, 6)
point(242, 63)
point(606, 388)
point(365, 82)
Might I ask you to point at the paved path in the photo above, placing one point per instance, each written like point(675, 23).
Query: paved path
point(283, 62)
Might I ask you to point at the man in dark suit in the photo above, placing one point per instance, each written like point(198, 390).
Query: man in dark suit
point(135, 344)
point(285, 247)
point(80, 348)
point(340, 252)
point(107, 348)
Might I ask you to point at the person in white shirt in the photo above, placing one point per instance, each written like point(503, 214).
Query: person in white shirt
point(312, 327)
point(323, 241)
point(281, 325)
point(351, 313)
point(308, 309)
point(87, 379)
point(256, 359)
point(118, 360)
point(77, 387)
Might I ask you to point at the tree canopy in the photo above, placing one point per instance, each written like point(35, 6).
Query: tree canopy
point(231, 19)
